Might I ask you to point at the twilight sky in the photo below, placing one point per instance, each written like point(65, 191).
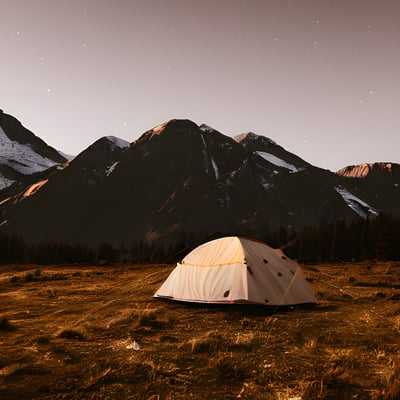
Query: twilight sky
point(320, 77)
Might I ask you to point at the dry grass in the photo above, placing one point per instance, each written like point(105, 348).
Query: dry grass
point(96, 333)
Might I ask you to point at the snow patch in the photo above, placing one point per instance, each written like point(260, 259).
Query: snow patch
point(206, 128)
point(208, 157)
point(205, 151)
point(277, 161)
point(28, 162)
point(4, 182)
point(121, 143)
point(67, 156)
point(359, 206)
point(215, 168)
point(110, 169)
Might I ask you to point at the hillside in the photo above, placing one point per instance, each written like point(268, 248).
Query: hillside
point(96, 332)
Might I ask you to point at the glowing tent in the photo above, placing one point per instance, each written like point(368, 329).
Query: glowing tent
point(237, 270)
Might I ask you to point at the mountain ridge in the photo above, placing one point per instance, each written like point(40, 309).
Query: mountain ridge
point(180, 181)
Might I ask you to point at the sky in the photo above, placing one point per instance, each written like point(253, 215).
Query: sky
point(320, 77)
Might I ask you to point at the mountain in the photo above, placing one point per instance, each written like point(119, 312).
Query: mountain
point(377, 183)
point(180, 182)
point(22, 154)
point(379, 169)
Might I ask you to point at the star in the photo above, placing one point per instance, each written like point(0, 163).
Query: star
point(48, 90)
point(371, 92)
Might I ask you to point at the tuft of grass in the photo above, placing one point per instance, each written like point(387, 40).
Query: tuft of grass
point(246, 342)
point(393, 388)
point(211, 342)
point(43, 340)
point(229, 368)
point(5, 325)
point(20, 370)
point(149, 318)
point(168, 339)
point(379, 296)
point(71, 334)
point(338, 297)
point(394, 295)
point(29, 277)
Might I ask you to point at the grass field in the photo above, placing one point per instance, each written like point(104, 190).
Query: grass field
point(96, 333)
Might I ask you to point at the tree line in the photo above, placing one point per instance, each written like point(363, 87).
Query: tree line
point(348, 240)
point(344, 240)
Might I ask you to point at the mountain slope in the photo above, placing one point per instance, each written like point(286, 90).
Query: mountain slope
point(180, 182)
point(22, 153)
point(377, 183)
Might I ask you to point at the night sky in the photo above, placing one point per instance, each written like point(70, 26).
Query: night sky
point(320, 77)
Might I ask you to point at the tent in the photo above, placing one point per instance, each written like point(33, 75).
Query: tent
point(237, 270)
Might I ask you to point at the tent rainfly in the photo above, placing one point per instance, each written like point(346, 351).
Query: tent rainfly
point(237, 270)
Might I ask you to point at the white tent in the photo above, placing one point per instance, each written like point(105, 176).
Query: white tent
point(237, 270)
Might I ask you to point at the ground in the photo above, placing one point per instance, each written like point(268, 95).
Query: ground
point(90, 332)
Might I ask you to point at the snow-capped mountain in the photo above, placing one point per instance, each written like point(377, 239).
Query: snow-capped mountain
point(181, 180)
point(377, 183)
point(22, 153)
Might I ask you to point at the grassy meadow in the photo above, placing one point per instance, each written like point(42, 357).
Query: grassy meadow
point(90, 332)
